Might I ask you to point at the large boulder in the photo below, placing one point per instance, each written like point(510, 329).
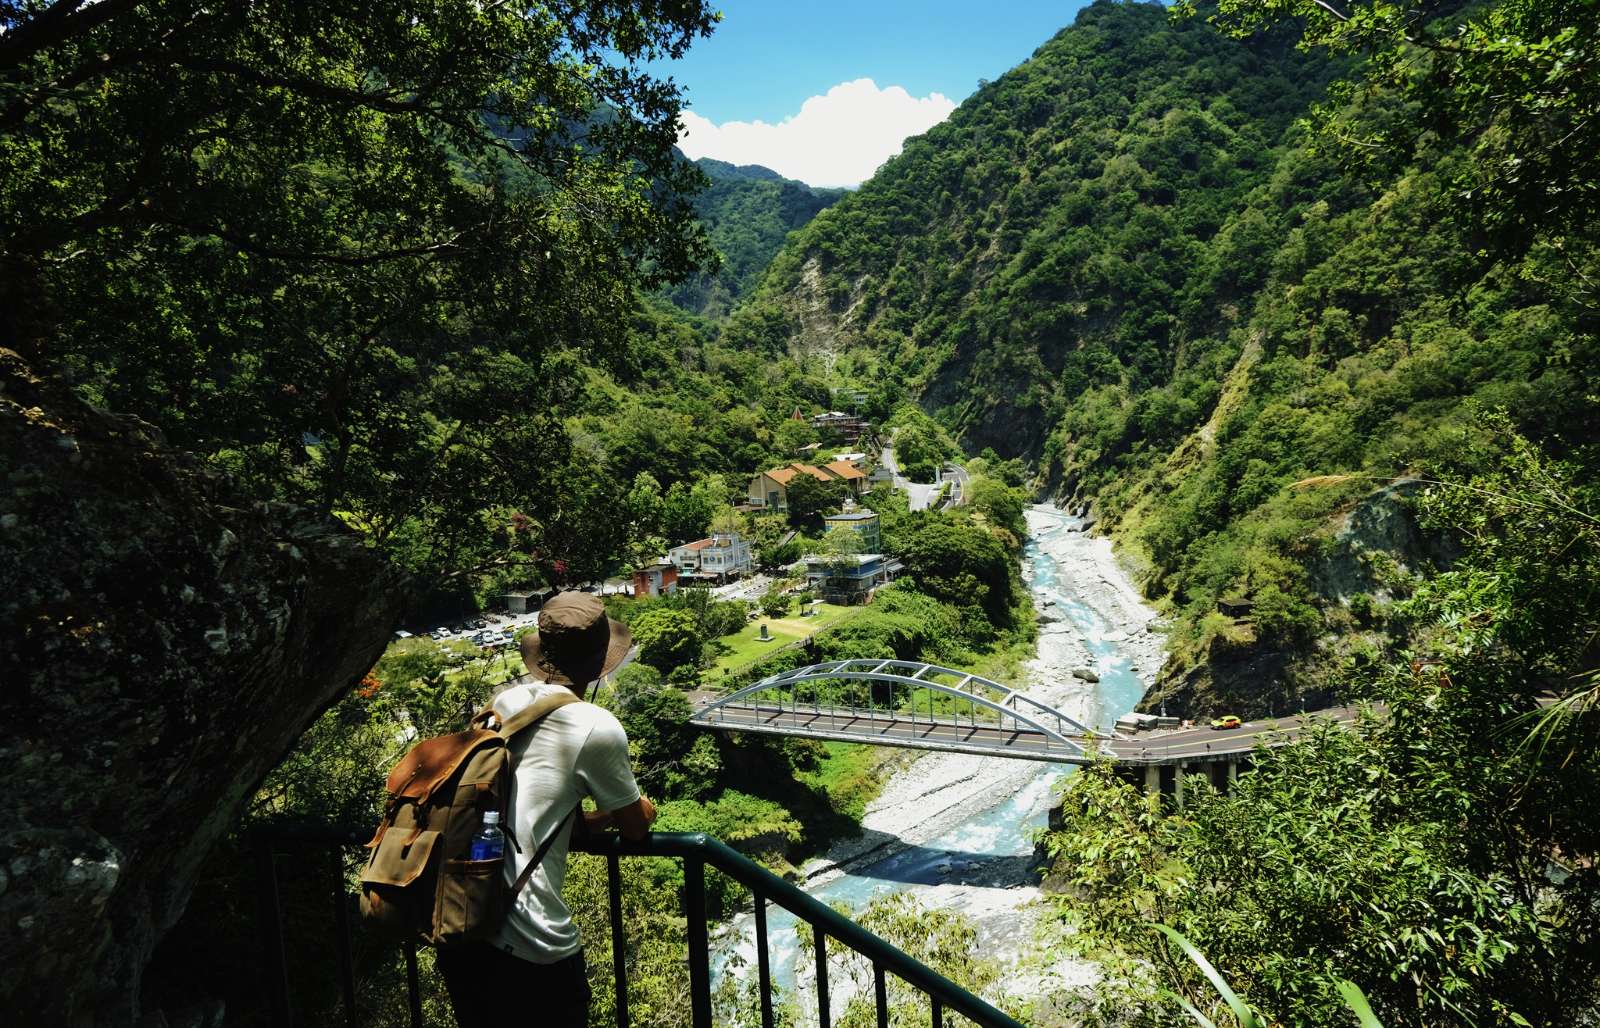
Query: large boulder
point(163, 641)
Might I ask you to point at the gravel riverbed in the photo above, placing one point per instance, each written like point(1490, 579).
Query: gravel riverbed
point(955, 827)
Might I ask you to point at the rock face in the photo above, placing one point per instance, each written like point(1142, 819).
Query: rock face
point(163, 641)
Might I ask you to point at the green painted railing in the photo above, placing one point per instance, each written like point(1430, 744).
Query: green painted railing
point(696, 851)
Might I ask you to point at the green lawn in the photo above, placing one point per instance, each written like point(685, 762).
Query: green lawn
point(744, 647)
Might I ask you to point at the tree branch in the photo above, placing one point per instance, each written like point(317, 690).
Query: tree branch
point(56, 24)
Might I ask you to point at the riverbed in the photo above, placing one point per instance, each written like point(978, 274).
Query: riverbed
point(957, 829)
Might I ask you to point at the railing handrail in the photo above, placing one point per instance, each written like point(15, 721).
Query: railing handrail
point(808, 908)
point(696, 849)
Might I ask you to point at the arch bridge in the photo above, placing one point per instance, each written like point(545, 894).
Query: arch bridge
point(907, 704)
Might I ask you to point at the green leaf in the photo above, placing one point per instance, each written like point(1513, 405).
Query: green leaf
point(1241, 1009)
point(1356, 1000)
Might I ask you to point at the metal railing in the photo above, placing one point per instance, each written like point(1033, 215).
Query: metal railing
point(696, 851)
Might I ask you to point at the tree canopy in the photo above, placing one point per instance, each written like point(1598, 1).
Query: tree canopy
point(354, 253)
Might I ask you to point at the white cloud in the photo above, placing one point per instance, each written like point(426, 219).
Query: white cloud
point(837, 139)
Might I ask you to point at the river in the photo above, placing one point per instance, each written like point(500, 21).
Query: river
point(957, 828)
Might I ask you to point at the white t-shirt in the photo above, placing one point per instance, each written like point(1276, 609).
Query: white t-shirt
point(577, 751)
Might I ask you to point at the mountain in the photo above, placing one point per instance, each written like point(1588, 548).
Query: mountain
point(1124, 261)
point(748, 211)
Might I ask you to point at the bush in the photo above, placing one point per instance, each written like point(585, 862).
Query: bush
point(667, 637)
point(775, 603)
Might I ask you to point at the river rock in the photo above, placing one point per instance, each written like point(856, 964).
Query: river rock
point(1086, 674)
point(164, 639)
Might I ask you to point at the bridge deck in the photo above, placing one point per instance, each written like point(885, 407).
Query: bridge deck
point(954, 735)
point(885, 729)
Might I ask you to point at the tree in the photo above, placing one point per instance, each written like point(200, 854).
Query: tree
point(810, 498)
point(775, 602)
point(1516, 81)
point(344, 251)
point(1413, 854)
point(960, 563)
point(667, 638)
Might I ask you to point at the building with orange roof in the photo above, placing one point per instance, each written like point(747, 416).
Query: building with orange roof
point(769, 490)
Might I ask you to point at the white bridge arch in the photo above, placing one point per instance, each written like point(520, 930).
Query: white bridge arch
point(997, 720)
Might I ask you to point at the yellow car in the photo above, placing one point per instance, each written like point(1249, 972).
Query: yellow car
point(1226, 721)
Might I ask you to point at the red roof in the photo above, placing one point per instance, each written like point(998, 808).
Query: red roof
point(845, 470)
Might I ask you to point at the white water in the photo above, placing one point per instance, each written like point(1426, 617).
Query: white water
point(957, 829)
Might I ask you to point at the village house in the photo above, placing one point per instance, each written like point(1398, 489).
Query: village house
point(848, 426)
point(848, 578)
point(722, 556)
point(656, 580)
point(863, 522)
point(770, 489)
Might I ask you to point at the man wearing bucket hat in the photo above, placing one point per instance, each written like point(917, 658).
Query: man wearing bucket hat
point(533, 970)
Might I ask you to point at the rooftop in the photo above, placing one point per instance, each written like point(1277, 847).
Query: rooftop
point(853, 515)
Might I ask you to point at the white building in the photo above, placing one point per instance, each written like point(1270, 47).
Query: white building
point(722, 556)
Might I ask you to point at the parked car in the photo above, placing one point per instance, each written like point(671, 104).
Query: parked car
point(402, 634)
point(1226, 721)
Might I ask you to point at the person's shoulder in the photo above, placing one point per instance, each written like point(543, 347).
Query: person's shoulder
point(512, 698)
point(596, 717)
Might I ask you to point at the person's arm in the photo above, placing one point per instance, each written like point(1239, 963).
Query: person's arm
point(603, 770)
point(633, 820)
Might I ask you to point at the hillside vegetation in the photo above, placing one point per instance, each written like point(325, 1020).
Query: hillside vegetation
point(1126, 260)
point(748, 211)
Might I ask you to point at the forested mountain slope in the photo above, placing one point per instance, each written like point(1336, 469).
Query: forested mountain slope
point(1122, 259)
point(748, 211)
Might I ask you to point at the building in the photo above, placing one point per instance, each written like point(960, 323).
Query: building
point(723, 556)
point(858, 459)
point(848, 578)
point(864, 522)
point(656, 580)
point(770, 489)
point(847, 425)
point(521, 602)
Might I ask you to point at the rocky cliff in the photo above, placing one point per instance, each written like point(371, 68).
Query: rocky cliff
point(163, 640)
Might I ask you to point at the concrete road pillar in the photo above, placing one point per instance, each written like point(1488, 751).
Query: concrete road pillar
point(1152, 779)
point(1177, 784)
point(1233, 773)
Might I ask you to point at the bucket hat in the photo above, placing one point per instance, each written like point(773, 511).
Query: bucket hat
point(575, 643)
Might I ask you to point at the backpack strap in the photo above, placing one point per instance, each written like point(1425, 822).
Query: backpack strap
point(535, 712)
point(539, 854)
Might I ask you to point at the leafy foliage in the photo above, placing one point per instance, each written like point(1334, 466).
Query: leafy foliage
point(1438, 858)
point(748, 212)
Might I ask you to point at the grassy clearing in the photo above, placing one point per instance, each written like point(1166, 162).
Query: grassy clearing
point(745, 647)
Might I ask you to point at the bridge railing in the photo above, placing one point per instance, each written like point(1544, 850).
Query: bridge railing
point(695, 851)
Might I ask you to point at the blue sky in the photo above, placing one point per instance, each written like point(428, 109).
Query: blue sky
point(904, 66)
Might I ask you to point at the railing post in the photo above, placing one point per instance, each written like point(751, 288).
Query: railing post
point(341, 915)
point(821, 943)
point(881, 994)
point(619, 941)
point(938, 1013)
point(763, 961)
point(275, 970)
point(694, 912)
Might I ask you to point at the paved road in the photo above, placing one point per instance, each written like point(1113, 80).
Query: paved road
point(1144, 747)
point(919, 494)
point(1193, 744)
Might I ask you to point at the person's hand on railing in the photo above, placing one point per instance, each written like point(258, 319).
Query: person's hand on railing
point(633, 820)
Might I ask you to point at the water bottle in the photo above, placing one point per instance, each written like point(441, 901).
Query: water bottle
point(489, 844)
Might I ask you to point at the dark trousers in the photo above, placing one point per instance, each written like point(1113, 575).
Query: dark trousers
point(493, 989)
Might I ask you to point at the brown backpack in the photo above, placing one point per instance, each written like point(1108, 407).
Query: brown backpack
point(419, 880)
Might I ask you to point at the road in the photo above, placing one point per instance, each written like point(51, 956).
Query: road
point(919, 495)
point(1184, 745)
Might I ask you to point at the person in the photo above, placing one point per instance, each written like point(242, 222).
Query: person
point(532, 971)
